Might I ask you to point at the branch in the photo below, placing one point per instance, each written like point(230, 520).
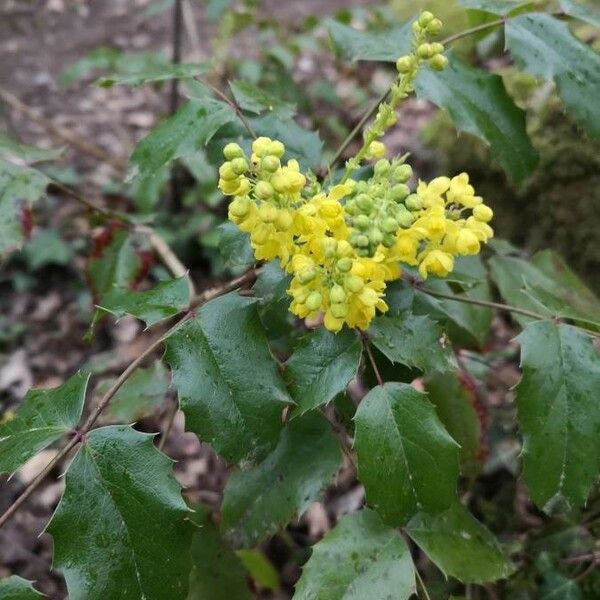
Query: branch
point(80, 433)
point(64, 134)
point(367, 347)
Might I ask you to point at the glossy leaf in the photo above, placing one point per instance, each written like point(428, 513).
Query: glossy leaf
point(559, 414)
point(557, 586)
point(165, 73)
point(20, 188)
point(407, 461)
point(121, 529)
point(256, 100)
point(17, 588)
point(234, 246)
point(359, 558)
point(140, 395)
point(479, 104)
point(544, 47)
point(322, 366)
point(258, 501)
point(181, 135)
point(43, 417)
point(411, 340)
point(164, 300)
point(228, 383)
point(459, 545)
point(587, 13)
point(217, 573)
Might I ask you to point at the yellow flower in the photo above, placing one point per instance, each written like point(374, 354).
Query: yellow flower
point(437, 263)
point(467, 242)
point(483, 213)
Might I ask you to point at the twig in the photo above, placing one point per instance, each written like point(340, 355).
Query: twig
point(367, 347)
point(191, 30)
point(422, 584)
point(172, 413)
point(64, 134)
point(80, 433)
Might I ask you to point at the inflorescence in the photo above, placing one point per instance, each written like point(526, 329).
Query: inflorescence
point(342, 243)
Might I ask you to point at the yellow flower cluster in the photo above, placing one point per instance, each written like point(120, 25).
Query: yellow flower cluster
point(342, 244)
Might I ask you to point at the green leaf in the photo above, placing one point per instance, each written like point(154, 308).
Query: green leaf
point(121, 529)
point(20, 188)
point(47, 248)
point(359, 558)
point(545, 285)
point(11, 149)
point(257, 100)
point(558, 587)
point(410, 340)
point(496, 7)
point(384, 45)
point(544, 47)
point(479, 104)
point(559, 414)
point(117, 265)
point(454, 406)
point(407, 461)
point(322, 366)
point(581, 11)
point(140, 395)
point(17, 588)
point(43, 417)
point(460, 545)
point(181, 135)
point(165, 73)
point(258, 501)
point(234, 246)
point(228, 383)
point(260, 568)
point(217, 574)
point(164, 300)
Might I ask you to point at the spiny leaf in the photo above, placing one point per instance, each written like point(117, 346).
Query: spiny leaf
point(411, 340)
point(459, 545)
point(164, 300)
point(188, 130)
point(478, 103)
point(559, 414)
point(407, 461)
point(121, 529)
point(544, 47)
point(228, 384)
point(17, 588)
point(256, 100)
point(256, 502)
point(359, 558)
point(322, 366)
point(234, 246)
point(43, 417)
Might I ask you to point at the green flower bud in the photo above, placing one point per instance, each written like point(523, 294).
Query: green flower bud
point(232, 151)
point(405, 64)
point(389, 225)
point(403, 173)
point(306, 275)
point(413, 202)
point(439, 62)
point(344, 264)
point(364, 252)
point(382, 167)
point(226, 172)
point(240, 206)
point(416, 27)
point(362, 241)
point(437, 47)
point(425, 51)
point(337, 294)
point(364, 202)
point(264, 190)
point(353, 283)
point(425, 18)
point(361, 222)
point(267, 213)
point(339, 311)
point(270, 163)
point(329, 247)
point(351, 208)
point(276, 148)
point(313, 302)
point(239, 165)
point(434, 27)
point(399, 192)
point(375, 236)
point(405, 219)
point(389, 239)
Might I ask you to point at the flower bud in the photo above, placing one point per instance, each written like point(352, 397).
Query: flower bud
point(353, 283)
point(263, 190)
point(467, 242)
point(344, 248)
point(244, 187)
point(284, 220)
point(375, 236)
point(344, 264)
point(361, 222)
point(276, 148)
point(405, 219)
point(425, 51)
point(413, 202)
point(404, 64)
point(306, 275)
point(267, 213)
point(270, 163)
point(382, 167)
point(313, 302)
point(389, 239)
point(389, 225)
point(376, 150)
point(434, 27)
point(239, 207)
point(339, 311)
point(337, 294)
point(439, 62)
point(403, 173)
point(226, 172)
point(261, 146)
point(239, 166)
point(362, 241)
point(483, 213)
point(364, 202)
point(329, 246)
point(425, 18)
point(399, 192)
point(437, 47)
point(232, 151)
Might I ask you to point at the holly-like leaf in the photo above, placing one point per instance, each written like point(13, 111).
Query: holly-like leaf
point(43, 417)
point(258, 501)
point(545, 285)
point(17, 588)
point(20, 188)
point(384, 45)
point(257, 100)
point(407, 461)
point(559, 414)
point(359, 558)
point(544, 47)
point(165, 73)
point(322, 366)
point(459, 545)
point(121, 529)
point(557, 586)
point(181, 135)
point(140, 395)
point(164, 300)
point(453, 403)
point(234, 246)
point(217, 573)
point(411, 340)
point(228, 383)
point(496, 7)
point(584, 12)
point(479, 104)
